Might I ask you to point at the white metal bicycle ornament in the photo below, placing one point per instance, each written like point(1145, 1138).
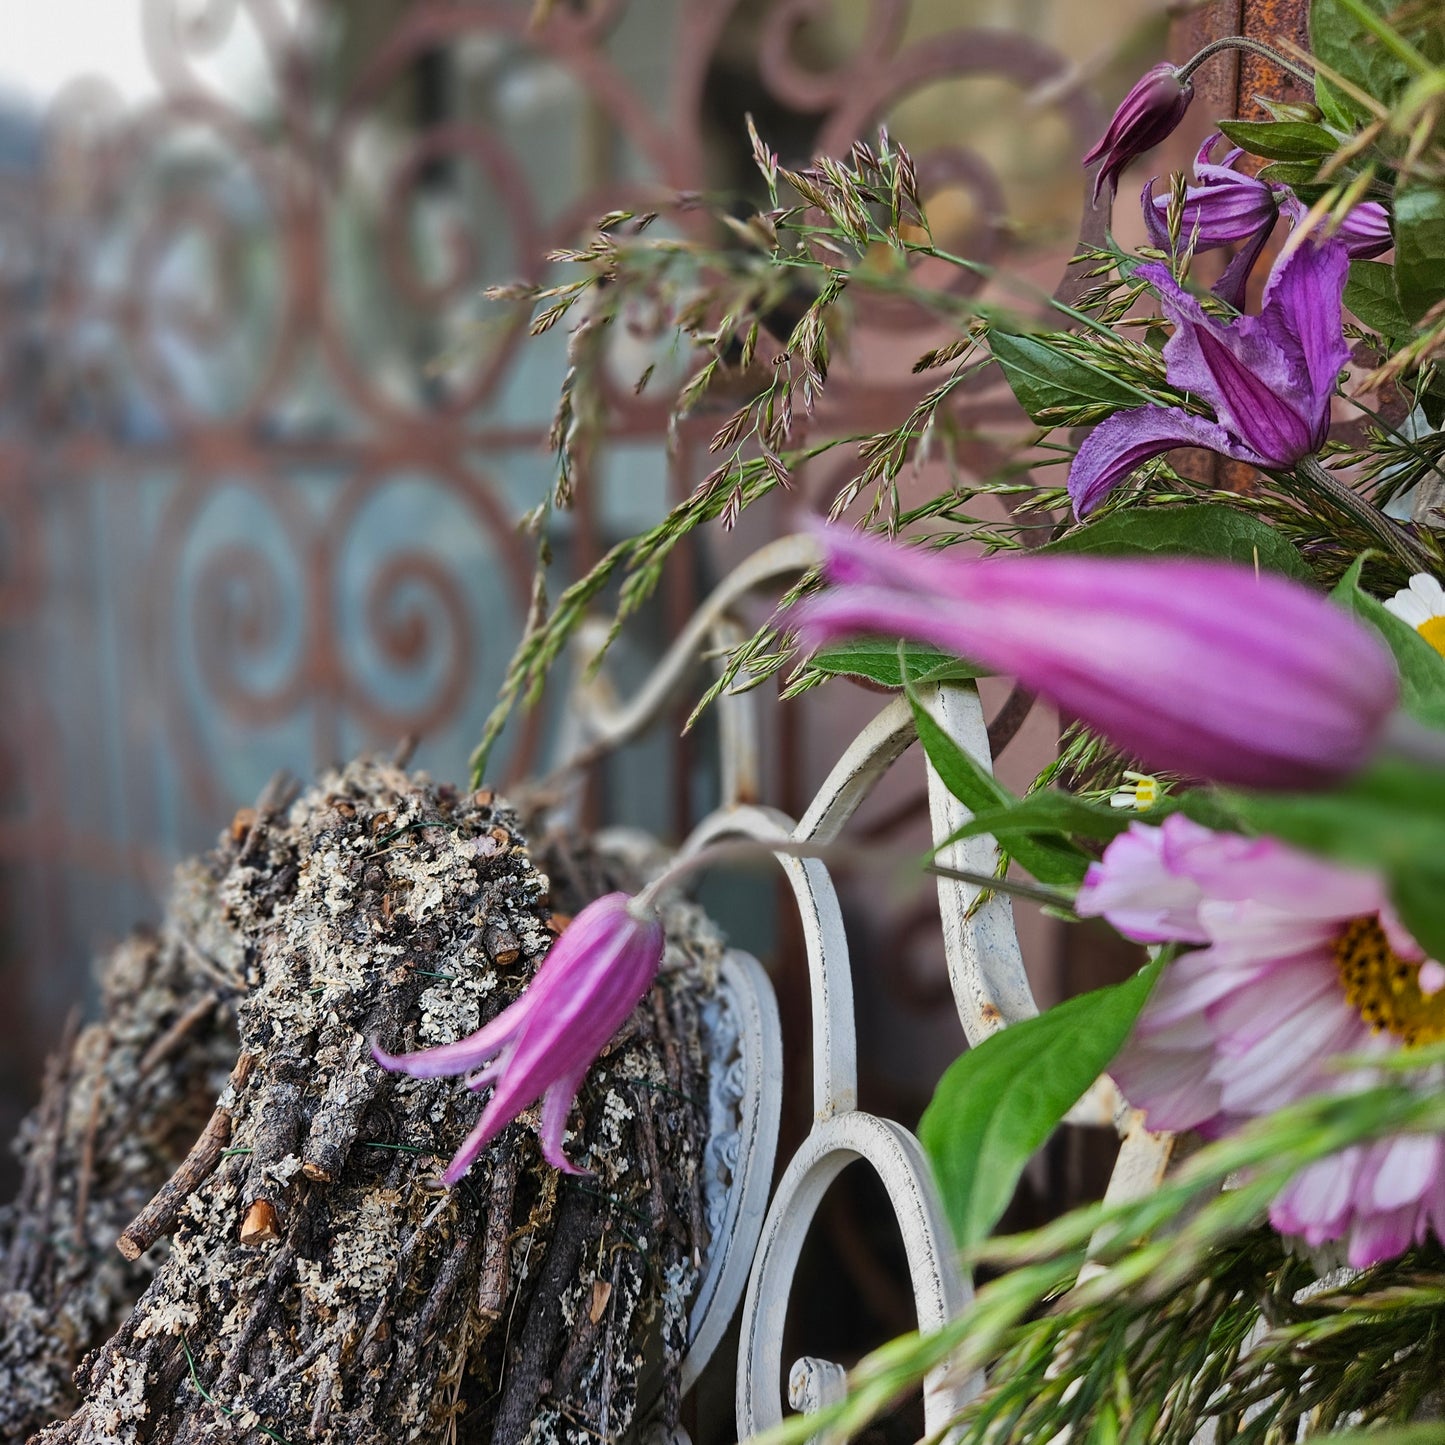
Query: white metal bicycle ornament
point(756, 1243)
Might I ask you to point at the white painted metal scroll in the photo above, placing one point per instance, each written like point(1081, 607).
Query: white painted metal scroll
point(762, 1244)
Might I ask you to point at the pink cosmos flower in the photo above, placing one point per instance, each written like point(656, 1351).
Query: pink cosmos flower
point(541, 1046)
point(1198, 667)
point(1302, 961)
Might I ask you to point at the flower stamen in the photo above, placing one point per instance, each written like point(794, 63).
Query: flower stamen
point(1385, 988)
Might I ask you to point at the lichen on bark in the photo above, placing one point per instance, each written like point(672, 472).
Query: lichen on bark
point(308, 1279)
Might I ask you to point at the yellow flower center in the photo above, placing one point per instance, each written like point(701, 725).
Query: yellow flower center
point(1146, 793)
point(1432, 629)
point(1384, 987)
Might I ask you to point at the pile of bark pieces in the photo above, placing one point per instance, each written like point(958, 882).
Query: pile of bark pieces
point(288, 1265)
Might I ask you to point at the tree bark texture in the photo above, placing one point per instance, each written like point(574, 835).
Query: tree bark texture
point(231, 1227)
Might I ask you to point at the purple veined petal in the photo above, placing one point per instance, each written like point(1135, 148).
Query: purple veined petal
point(1156, 217)
point(1231, 209)
point(465, 1054)
point(1258, 391)
point(1302, 313)
point(1234, 280)
point(1129, 438)
point(1365, 231)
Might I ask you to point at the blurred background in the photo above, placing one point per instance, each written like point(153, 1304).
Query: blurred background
point(264, 445)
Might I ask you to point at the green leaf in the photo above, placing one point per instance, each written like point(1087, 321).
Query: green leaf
point(1281, 140)
point(1209, 529)
point(1417, 889)
point(1419, 227)
point(998, 1103)
point(1044, 378)
point(876, 659)
point(1302, 177)
point(1370, 295)
point(1422, 669)
point(1355, 49)
point(1043, 813)
point(980, 792)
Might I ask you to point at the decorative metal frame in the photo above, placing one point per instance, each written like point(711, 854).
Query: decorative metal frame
point(986, 974)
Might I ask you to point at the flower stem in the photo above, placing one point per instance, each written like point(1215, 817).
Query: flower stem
point(731, 850)
point(1399, 542)
point(1243, 42)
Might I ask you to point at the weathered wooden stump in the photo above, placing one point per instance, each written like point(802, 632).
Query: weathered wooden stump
point(289, 1267)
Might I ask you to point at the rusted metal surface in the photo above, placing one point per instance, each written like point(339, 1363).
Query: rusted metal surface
point(262, 454)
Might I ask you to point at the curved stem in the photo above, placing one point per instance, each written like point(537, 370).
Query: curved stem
point(1399, 542)
point(732, 850)
point(1243, 42)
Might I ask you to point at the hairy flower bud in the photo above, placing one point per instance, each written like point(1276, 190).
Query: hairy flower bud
point(1203, 668)
point(543, 1044)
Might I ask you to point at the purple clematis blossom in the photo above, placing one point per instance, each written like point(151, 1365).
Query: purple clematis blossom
point(1223, 207)
point(1200, 667)
point(1365, 229)
point(1226, 207)
point(1146, 116)
point(541, 1046)
point(1269, 378)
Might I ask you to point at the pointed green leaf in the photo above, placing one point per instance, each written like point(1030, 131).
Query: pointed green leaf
point(1208, 529)
point(979, 791)
point(876, 659)
point(1370, 295)
point(1419, 227)
point(1045, 378)
point(1281, 140)
point(998, 1103)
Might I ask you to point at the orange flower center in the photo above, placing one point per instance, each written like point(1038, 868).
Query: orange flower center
point(1385, 988)
point(1432, 629)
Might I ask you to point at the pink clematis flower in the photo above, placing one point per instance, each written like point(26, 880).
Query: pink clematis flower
point(1203, 668)
point(1147, 115)
point(1268, 378)
point(543, 1044)
point(1302, 961)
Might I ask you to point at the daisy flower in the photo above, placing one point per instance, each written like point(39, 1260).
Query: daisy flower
point(1422, 605)
point(1139, 791)
point(1300, 961)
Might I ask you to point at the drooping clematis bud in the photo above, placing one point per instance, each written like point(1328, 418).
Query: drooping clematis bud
point(541, 1046)
point(1203, 668)
point(1146, 116)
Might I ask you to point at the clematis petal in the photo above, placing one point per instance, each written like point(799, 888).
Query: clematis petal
point(463, 1056)
point(1302, 314)
point(1258, 390)
point(1149, 113)
point(1234, 280)
point(1199, 667)
point(1129, 438)
point(556, 1105)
